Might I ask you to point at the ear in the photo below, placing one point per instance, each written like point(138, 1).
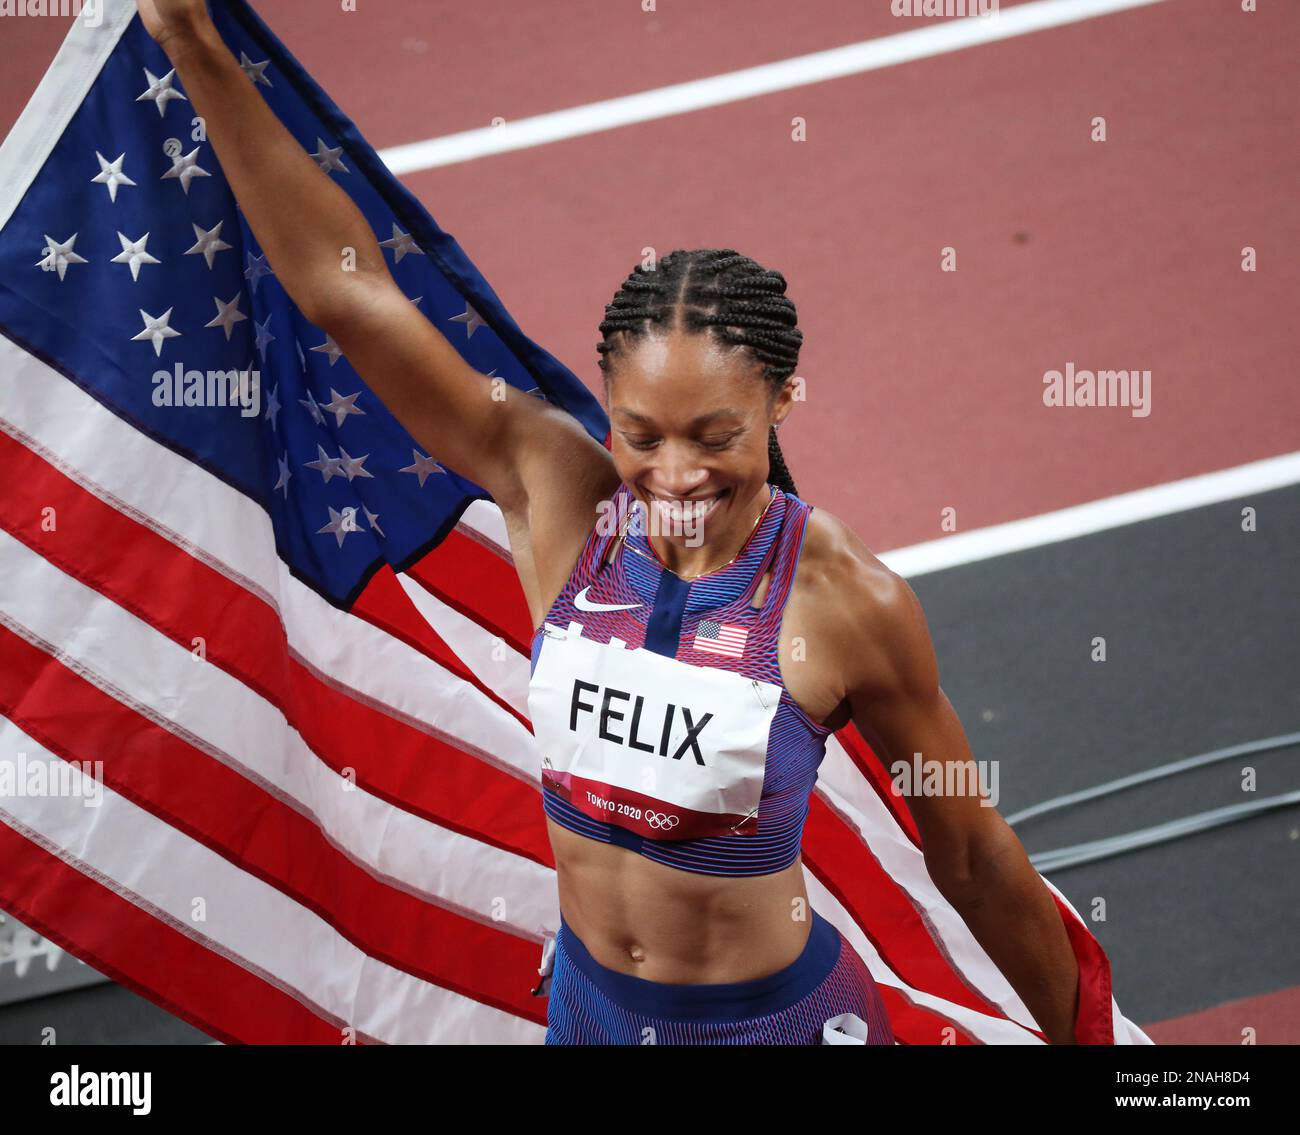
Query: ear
point(782, 404)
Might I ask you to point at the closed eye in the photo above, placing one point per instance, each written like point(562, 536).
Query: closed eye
point(714, 445)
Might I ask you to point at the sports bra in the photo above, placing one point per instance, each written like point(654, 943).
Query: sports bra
point(657, 703)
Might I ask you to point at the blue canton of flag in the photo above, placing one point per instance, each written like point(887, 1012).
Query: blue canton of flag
point(128, 264)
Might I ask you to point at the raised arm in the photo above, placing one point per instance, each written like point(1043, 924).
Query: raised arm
point(489, 432)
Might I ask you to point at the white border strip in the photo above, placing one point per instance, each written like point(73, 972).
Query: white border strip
point(801, 71)
point(1095, 516)
point(56, 99)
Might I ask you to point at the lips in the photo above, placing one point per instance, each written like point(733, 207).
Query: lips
point(690, 511)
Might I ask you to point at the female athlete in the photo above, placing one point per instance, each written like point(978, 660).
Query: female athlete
point(685, 675)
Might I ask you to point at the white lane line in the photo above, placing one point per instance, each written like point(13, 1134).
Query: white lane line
point(802, 70)
point(1095, 516)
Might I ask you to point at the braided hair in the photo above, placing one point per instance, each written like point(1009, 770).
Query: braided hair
point(714, 289)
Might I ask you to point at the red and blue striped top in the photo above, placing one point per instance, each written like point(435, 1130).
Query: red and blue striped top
point(706, 622)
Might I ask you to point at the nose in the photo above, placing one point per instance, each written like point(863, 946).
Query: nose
point(677, 474)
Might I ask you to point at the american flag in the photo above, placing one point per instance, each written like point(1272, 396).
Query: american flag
point(720, 638)
point(282, 658)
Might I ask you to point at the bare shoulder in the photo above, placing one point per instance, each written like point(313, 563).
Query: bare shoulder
point(863, 608)
point(843, 572)
point(565, 476)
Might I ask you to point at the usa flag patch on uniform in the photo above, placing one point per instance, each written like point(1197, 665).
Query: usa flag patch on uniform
point(720, 638)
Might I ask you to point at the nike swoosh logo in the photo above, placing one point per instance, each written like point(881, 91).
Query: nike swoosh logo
point(584, 604)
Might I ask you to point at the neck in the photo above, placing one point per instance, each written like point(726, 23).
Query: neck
point(688, 563)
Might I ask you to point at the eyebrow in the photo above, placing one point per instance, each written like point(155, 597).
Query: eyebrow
point(703, 419)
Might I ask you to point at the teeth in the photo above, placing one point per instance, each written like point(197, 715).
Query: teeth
point(686, 510)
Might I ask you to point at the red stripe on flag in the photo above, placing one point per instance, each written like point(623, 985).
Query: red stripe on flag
point(915, 1024)
point(150, 957)
point(121, 535)
point(184, 598)
point(248, 826)
point(384, 604)
point(1094, 1022)
point(1095, 1019)
point(481, 584)
point(882, 909)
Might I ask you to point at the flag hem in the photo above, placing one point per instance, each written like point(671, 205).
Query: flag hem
point(59, 95)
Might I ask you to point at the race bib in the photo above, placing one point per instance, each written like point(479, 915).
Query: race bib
point(659, 747)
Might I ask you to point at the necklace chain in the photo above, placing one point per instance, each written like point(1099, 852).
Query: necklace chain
point(744, 543)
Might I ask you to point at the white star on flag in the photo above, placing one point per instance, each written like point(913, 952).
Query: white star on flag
point(185, 167)
point(156, 329)
point(59, 255)
point(273, 407)
point(342, 405)
point(161, 91)
point(401, 243)
point(264, 336)
point(133, 253)
point(328, 159)
point(313, 408)
point(341, 523)
point(331, 348)
point(283, 482)
point(352, 465)
point(209, 242)
point(472, 320)
point(228, 314)
point(257, 268)
point(325, 465)
point(424, 465)
point(254, 70)
point(110, 174)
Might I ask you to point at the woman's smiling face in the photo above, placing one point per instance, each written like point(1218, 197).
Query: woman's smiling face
point(689, 420)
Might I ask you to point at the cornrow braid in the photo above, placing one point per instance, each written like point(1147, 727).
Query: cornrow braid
point(717, 291)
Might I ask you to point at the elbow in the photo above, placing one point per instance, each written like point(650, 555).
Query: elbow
point(332, 308)
point(953, 875)
point(962, 870)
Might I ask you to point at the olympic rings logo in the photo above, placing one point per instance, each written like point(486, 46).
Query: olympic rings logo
point(661, 821)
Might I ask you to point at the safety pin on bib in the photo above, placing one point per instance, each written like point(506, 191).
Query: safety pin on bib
point(758, 693)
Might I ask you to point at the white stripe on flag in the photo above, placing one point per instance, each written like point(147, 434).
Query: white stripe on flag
point(848, 794)
point(495, 662)
point(983, 1027)
point(305, 954)
point(139, 666)
point(233, 535)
